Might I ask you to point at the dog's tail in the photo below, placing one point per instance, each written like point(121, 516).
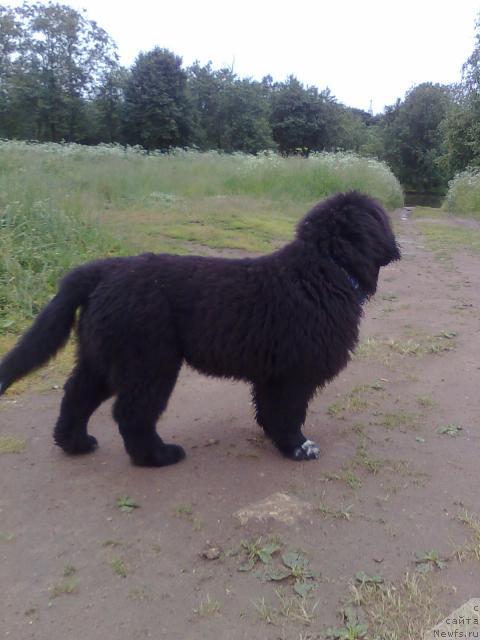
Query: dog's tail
point(52, 327)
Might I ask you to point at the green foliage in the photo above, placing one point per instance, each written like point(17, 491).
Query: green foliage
point(463, 196)
point(258, 551)
point(57, 203)
point(156, 105)
point(461, 134)
point(303, 119)
point(60, 80)
point(429, 560)
point(10, 444)
point(126, 504)
point(43, 233)
point(230, 113)
point(471, 68)
point(413, 140)
point(53, 58)
point(451, 430)
point(118, 566)
point(352, 628)
point(106, 110)
point(363, 579)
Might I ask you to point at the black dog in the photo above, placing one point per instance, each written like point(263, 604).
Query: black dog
point(285, 322)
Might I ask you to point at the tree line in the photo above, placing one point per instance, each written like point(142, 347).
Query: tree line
point(60, 80)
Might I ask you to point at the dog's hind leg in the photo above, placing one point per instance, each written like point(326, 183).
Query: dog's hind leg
point(280, 408)
point(85, 390)
point(136, 412)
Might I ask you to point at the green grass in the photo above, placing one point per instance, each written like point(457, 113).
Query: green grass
point(118, 566)
point(354, 401)
point(10, 444)
point(207, 607)
point(446, 239)
point(414, 344)
point(66, 586)
point(229, 222)
point(397, 420)
point(429, 212)
point(64, 204)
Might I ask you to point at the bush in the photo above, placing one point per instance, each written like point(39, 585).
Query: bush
point(463, 196)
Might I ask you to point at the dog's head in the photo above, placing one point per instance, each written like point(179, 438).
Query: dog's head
point(354, 231)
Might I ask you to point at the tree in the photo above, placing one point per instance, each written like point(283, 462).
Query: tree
point(207, 89)
point(413, 137)
point(303, 119)
point(461, 128)
point(157, 109)
point(10, 36)
point(60, 58)
point(109, 106)
point(243, 118)
point(471, 68)
point(352, 128)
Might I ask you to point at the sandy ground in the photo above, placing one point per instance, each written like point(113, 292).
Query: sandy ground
point(388, 486)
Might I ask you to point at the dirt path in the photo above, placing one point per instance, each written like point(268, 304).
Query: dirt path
point(388, 486)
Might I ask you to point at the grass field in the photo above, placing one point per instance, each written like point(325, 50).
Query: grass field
point(61, 205)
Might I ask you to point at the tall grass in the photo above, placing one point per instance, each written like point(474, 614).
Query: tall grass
point(38, 244)
point(83, 178)
point(55, 201)
point(463, 196)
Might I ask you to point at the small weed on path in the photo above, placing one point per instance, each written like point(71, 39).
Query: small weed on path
point(126, 504)
point(364, 579)
point(428, 560)
point(352, 628)
point(207, 607)
point(425, 402)
point(69, 570)
point(344, 513)
point(68, 584)
point(6, 537)
point(185, 512)
point(118, 566)
point(258, 551)
point(451, 430)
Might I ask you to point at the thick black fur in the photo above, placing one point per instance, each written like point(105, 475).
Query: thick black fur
point(285, 322)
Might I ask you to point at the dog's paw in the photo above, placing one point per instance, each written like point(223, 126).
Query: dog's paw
point(306, 451)
point(161, 457)
point(76, 445)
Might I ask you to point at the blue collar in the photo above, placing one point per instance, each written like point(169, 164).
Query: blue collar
point(360, 294)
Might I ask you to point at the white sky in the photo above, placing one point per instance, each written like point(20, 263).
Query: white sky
point(363, 50)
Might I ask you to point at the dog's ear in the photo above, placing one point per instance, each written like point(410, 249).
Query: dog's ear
point(354, 230)
point(349, 252)
point(363, 242)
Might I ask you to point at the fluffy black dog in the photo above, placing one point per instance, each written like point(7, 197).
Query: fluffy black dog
point(285, 322)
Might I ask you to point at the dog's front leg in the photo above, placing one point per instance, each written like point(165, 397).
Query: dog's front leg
point(280, 409)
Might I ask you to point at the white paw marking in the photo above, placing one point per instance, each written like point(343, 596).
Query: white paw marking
point(307, 451)
point(311, 449)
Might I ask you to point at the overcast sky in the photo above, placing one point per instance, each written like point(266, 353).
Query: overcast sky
point(363, 50)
